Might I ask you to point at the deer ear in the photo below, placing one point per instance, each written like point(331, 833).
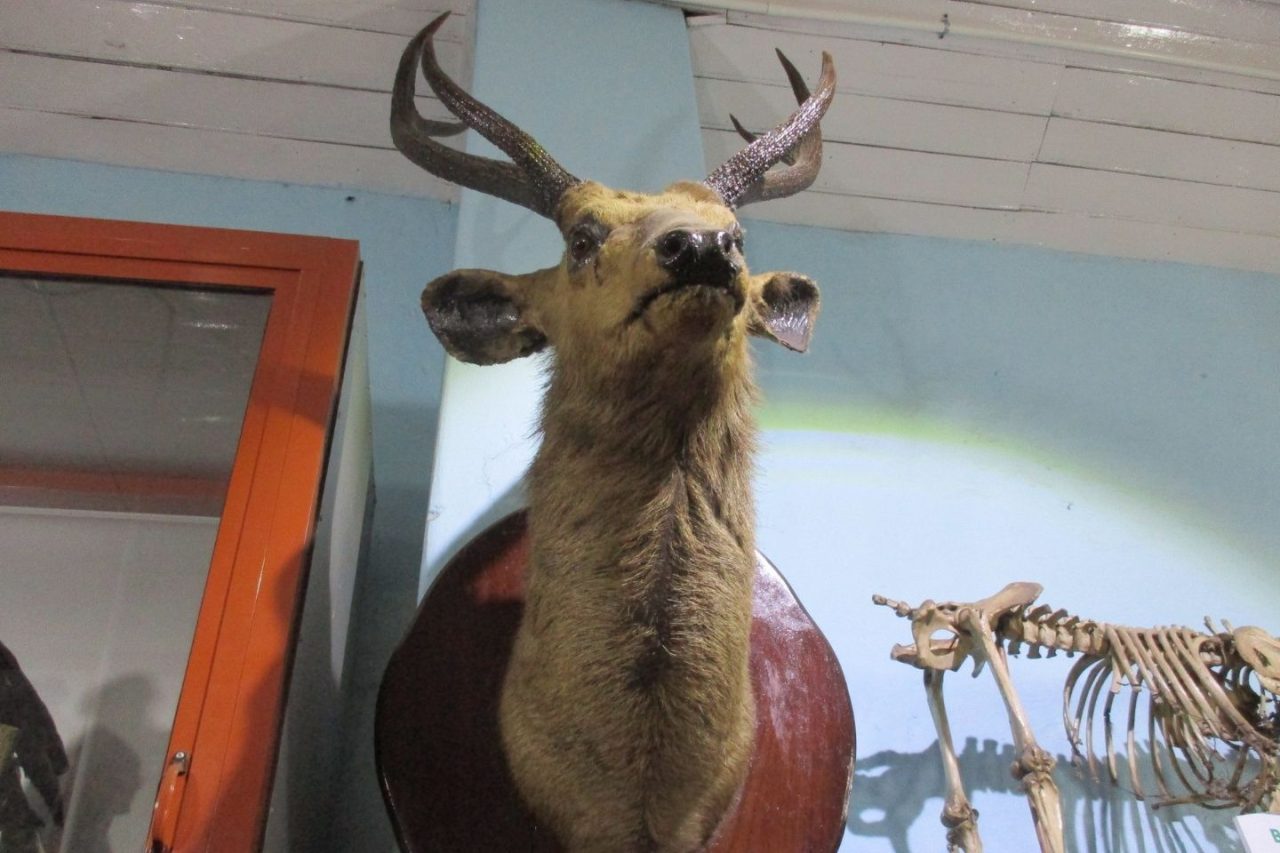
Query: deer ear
point(481, 316)
point(786, 304)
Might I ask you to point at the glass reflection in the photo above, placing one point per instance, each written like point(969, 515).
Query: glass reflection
point(120, 411)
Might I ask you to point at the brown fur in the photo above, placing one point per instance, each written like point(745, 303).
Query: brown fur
point(627, 714)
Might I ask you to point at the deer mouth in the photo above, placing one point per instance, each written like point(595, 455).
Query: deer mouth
point(724, 289)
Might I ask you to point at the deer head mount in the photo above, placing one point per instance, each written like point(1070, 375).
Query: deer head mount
point(627, 255)
point(627, 715)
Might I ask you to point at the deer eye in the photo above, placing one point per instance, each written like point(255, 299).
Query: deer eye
point(584, 242)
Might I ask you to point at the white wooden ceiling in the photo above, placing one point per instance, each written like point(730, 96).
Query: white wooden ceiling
point(1129, 139)
point(1142, 128)
point(279, 90)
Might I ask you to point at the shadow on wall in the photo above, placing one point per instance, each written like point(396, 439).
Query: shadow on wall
point(108, 767)
point(305, 764)
point(892, 790)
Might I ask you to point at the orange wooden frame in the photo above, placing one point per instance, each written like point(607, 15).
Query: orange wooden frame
point(231, 707)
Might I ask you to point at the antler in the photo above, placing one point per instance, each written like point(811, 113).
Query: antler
point(534, 180)
point(742, 179)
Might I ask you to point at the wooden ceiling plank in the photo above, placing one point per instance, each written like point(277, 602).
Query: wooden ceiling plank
point(282, 110)
point(1093, 35)
point(1035, 27)
point(1058, 231)
point(886, 122)
point(1233, 19)
point(1017, 51)
point(1161, 201)
point(1169, 105)
point(1141, 151)
point(401, 17)
point(164, 37)
point(207, 152)
point(893, 173)
point(1146, 241)
point(877, 68)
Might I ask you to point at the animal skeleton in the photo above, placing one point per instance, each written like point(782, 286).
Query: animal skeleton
point(626, 713)
point(1212, 719)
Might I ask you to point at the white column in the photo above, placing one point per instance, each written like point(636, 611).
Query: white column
point(607, 87)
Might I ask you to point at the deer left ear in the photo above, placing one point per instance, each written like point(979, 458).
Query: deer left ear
point(786, 304)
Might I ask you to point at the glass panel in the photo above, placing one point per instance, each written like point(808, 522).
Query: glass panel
point(120, 410)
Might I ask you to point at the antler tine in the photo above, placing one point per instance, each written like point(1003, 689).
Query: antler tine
point(535, 180)
point(801, 92)
point(742, 179)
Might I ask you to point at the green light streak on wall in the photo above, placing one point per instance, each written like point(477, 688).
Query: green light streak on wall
point(1015, 455)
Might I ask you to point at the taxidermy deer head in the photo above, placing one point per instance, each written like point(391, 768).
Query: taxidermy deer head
point(627, 715)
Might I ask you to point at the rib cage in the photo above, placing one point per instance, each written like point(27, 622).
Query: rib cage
point(1210, 724)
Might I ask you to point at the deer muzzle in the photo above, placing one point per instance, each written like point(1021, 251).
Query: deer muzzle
point(698, 257)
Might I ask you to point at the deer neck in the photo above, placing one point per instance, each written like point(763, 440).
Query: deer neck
point(632, 457)
point(689, 413)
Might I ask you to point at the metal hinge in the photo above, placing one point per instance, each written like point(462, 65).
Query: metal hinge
point(168, 802)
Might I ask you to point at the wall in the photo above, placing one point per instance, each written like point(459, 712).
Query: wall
point(404, 242)
point(971, 415)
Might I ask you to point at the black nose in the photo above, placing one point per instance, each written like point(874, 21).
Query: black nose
point(698, 257)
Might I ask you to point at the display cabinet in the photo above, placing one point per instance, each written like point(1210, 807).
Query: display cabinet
point(167, 397)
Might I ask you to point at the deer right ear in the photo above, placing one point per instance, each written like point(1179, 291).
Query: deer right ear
point(481, 316)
